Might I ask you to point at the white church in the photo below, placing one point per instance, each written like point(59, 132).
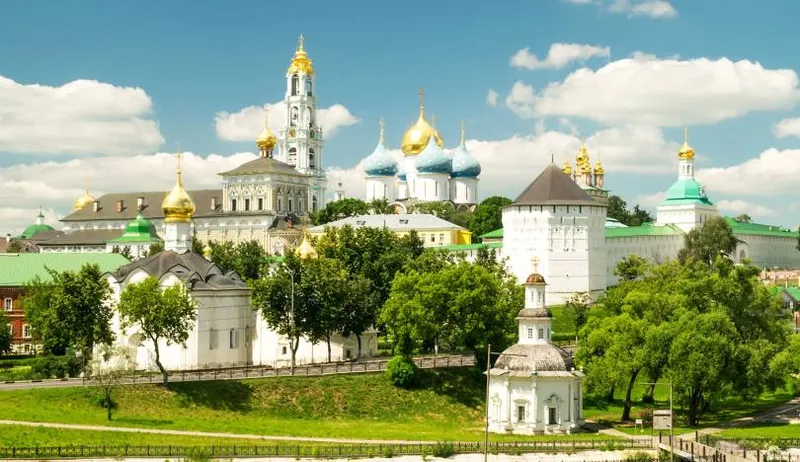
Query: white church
point(227, 331)
point(560, 219)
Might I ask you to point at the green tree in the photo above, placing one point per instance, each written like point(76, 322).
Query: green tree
point(249, 260)
point(631, 268)
point(71, 309)
point(360, 311)
point(197, 244)
point(379, 207)
point(488, 215)
point(618, 210)
point(126, 252)
point(337, 210)
point(326, 303)
point(223, 254)
point(162, 314)
point(14, 247)
point(5, 334)
point(743, 218)
point(708, 242)
point(576, 310)
point(158, 247)
point(110, 372)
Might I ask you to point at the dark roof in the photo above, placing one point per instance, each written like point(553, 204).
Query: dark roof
point(192, 268)
point(263, 165)
point(534, 313)
point(554, 187)
point(82, 237)
point(152, 206)
point(534, 357)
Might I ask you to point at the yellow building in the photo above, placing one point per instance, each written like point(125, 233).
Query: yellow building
point(433, 231)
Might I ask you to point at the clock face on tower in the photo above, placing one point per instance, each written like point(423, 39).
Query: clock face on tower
point(292, 132)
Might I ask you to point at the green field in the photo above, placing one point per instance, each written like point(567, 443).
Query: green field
point(762, 430)
point(447, 405)
point(24, 436)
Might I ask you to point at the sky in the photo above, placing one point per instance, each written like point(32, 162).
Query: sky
point(101, 94)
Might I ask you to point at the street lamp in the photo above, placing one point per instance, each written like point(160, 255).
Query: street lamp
point(671, 418)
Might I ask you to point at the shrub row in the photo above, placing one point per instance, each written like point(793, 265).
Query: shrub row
point(47, 367)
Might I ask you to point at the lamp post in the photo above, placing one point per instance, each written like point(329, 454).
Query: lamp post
point(671, 418)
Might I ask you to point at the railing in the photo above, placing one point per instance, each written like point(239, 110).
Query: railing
point(697, 450)
point(322, 450)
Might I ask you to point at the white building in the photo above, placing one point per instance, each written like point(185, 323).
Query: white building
point(426, 173)
point(258, 200)
point(560, 219)
point(533, 386)
point(227, 331)
point(432, 230)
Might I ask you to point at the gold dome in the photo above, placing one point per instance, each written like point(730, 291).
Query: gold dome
point(686, 152)
point(267, 140)
point(416, 138)
point(301, 63)
point(566, 168)
point(305, 250)
point(178, 206)
point(586, 167)
point(207, 251)
point(598, 168)
point(583, 154)
point(84, 201)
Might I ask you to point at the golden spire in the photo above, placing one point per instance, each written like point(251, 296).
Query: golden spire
point(566, 167)
point(266, 141)
point(381, 123)
point(463, 133)
point(305, 250)
point(301, 62)
point(178, 206)
point(417, 136)
point(686, 152)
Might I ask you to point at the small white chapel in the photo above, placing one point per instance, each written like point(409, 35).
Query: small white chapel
point(534, 387)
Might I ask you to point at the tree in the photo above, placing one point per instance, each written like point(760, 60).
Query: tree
point(223, 254)
point(360, 311)
point(126, 252)
point(5, 335)
point(576, 310)
point(708, 242)
point(110, 372)
point(380, 207)
point(245, 258)
point(197, 245)
point(325, 282)
point(337, 210)
point(162, 314)
point(743, 218)
point(488, 215)
point(631, 268)
point(618, 210)
point(71, 309)
point(155, 248)
point(14, 247)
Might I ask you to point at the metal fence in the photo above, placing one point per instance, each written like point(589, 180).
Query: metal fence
point(322, 450)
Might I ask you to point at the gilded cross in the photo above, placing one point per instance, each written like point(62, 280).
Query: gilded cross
point(535, 262)
point(463, 132)
point(421, 97)
point(266, 115)
point(686, 134)
point(301, 41)
point(382, 125)
point(179, 156)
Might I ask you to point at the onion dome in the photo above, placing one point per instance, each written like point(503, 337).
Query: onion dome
point(686, 152)
point(301, 63)
point(598, 168)
point(583, 154)
point(586, 167)
point(305, 250)
point(566, 167)
point(380, 162)
point(84, 201)
point(416, 138)
point(207, 251)
point(178, 206)
point(267, 140)
point(463, 164)
point(401, 173)
point(432, 159)
point(36, 228)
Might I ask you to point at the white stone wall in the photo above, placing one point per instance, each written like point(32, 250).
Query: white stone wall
point(464, 190)
point(768, 251)
point(685, 216)
point(657, 249)
point(535, 396)
point(380, 187)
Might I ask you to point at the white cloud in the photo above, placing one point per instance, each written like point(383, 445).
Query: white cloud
point(559, 56)
point(650, 8)
point(661, 92)
point(648, 201)
point(491, 98)
point(739, 206)
point(772, 173)
point(787, 127)
point(246, 123)
point(82, 117)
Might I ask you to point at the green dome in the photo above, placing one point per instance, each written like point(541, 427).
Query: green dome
point(140, 229)
point(32, 230)
point(686, 191)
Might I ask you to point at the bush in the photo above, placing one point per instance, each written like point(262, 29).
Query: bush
point(401, 371)
point(58, 367)
point(444, 450)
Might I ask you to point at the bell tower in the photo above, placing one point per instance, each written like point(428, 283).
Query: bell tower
point(301, 135)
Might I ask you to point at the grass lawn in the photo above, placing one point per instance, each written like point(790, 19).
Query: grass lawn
point(731, 409)
point(763, 430)
point(446, 406)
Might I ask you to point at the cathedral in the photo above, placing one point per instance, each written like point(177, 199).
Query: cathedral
point(426, 173)
point(259, 200)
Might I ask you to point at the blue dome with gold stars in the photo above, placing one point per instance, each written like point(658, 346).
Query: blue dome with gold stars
point(432, 159)
point(464, 165)
point(380, 162)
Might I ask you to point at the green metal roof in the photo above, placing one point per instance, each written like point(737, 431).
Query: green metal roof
point(644, 230)
point(498, 233)
point(686, 191)
point(16, 269)
point(759, 229)
point(31, 230)
point(465, 247)
point(138, 230)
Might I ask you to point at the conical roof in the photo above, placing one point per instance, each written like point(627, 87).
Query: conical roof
point(554, 187)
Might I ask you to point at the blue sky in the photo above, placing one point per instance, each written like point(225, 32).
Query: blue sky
point(196, 59)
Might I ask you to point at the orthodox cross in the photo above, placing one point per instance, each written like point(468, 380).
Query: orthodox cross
point(535, 263)
point(179, 156)
point(421, 98)
point(266, 115)
point(382, 125)
point(462, 132)
point(300, 42)
point(686, 134)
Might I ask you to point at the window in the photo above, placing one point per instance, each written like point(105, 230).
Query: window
point(292, 160)
point(541, 333)
point(26, 331)
point(8, 304)
point(260, 203)
point(308, 88)
point(283, 350)
point(295, 84)
point(347, 354)
point(530, 332)
point(212, 339)
point(280, 205)
point(232, 338)
point(521, 413)
point(314, 203)
point(441, 237)
point(433, 237)
point(551, 416)
point(311, 161)
point(247, 205)
point(233, 205)
point(290, 205)
point(533, 296)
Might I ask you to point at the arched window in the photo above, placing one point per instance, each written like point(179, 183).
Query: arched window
point(309, 91)
point(295, 114)
point(292, 156)
point(314, 203)
point(295, 85)
point(232, 338)
point(311, 161)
